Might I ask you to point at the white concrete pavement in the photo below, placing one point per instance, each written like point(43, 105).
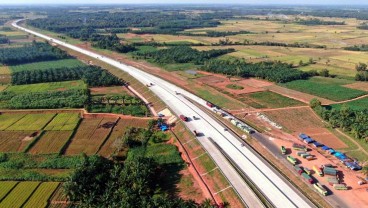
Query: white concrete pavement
point(279, 192)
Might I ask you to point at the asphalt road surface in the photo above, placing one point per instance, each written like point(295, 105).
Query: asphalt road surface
point(275, 188)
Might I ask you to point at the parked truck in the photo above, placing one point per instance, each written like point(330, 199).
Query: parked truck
point(283, 150)
point(183, 118)
point(318, 170)
point(320, 189)
point(298, 169)
point(291, 159)
point(307, 178)
point(329, 171)
point(340, 187)
point(299, 147)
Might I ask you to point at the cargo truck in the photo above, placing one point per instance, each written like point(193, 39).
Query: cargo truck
point(307, 171)
point(299, 147)
point(298, 169)
point(291, 159)
point(183, 118)
point(329, 171)
point(318, 170)
point(307, 178)
point(283, 150)
point(320, 189)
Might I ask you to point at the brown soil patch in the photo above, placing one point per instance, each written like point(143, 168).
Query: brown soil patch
point(303, 120)
point(358, 85)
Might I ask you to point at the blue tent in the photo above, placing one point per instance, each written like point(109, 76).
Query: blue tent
point(325, 148)
point(332, 151)
point(317, 144)
point(308, 140)
point(303, 136)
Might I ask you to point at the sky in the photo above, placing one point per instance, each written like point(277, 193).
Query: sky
point(322, 2)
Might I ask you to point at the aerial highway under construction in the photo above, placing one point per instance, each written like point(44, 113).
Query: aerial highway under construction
point(225, 148)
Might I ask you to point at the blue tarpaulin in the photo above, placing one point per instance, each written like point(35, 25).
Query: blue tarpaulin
point(331, 151)
point(303, 136)
point(317, 144)
point(308, 140)
point(325, 148)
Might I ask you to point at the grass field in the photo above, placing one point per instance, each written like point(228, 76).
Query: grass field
point(69, 63)
point(90, 135)
point(31, 122)
point(15, 141)
point(7, 120)
point(51, 142)
point(268, 99)
point(326, 88)
point(19, 195)
point(47, 87)
point(6, 187)
point(63, 122)
point(163, 153)
point(360, 104)
point(42, 194)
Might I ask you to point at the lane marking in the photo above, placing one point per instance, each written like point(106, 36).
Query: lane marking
point(203, 174)
point(222, 190)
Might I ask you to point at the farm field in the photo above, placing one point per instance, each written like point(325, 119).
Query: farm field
point(6, 187)
point(31, 122)
point(90, 135)
point(16, 141)
point(268, 99)
point(19, 195)
point(43, 65)
point(360, 104)
point(63, 122)
point(7, 120)
point(326, 88)
point(4, 70)
point(51, 142)
point(47, 87)
point(41, 196)
point(101, 91)
point(109, 147)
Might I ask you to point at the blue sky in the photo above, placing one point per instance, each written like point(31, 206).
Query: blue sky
point(324, 2)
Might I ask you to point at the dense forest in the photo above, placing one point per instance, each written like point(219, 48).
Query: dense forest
point(181, 54)
point(272, 71)
point(45, 100)
point(352, 121)
point(215, 33)
point(112, 42)
point(30, 53)
point(4, 39)
point(315, 21)
point(92, 75)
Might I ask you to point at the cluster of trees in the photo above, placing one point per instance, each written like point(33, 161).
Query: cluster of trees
point(94, 76)
point(4, 39)
point(112, 42)
point(363, 26)
point(353, 121)
point(216, 33)
point(316, 21)
point(181, 54)
point(363, 47)
point(272, 71)
point(43, 100)
point(293, 45)
point(99, 182)
point(29, 53)
point(362, 72)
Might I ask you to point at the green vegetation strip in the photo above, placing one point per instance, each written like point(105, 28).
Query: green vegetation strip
point(47, 87)
point(31, 122)
point(43, 65)
point(6, 187)
point(64, 122)
point(20, 194)
point(360, 104)
point(274, 100)
point(40, 197)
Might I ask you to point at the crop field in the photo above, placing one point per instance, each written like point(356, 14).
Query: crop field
point(59, 199)
point(51, 142)
point(19, 195)
point(100, 91)
point(15, 141)
point(63, 122)
point(358, 86)
point(360, 104)
point(47, 87)
point(7, 120)
point(43, 65)
point(164, 154)
point(109, 146)
point(326, 88)
point(268, 99)
point(4, 70)
point(42, 194)
point(6, 187)
point(31, 122)
point(90, 135)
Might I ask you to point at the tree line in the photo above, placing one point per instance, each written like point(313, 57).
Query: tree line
point(362, 72)
point(352, 121)
point(274, 71)
point(316, 21)
point(4, 39)
point(35, 51)
point(363, 47)
point(181, 54)
point(92, 75)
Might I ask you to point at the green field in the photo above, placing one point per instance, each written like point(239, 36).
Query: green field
point(47, 87)
point(7, 120)
point(19, 195)
point(326, 88)
point(269, 99)
point(40, 197)
point(63, 122)
point(164, 154)
point(51, 142)
point(43, 65)
point(360, 104)
point(6, 187)
point(31, 122)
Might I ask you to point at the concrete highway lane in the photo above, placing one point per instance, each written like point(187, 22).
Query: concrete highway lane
point(275, 189)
